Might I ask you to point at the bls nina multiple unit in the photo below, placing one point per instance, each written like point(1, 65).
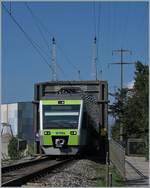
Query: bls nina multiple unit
point(69, 116)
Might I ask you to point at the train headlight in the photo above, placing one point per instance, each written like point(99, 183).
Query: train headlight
point(47, 132)
point(73, 132)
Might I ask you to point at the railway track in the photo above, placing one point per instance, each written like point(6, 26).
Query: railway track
point(17, 176)
point(16, 166)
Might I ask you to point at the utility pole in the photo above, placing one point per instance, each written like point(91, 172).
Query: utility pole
point(94, 61)
point(53, 59)
point(121, 63)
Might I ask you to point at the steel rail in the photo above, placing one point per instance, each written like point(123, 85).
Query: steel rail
point(35, 172)
point(22, 164)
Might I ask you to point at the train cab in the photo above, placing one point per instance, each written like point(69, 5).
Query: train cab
point(60, 125)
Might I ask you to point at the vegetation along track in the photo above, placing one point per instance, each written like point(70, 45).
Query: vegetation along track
point(22, 175)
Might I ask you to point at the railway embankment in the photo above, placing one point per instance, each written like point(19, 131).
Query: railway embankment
point(85, 172)
point(80, 173)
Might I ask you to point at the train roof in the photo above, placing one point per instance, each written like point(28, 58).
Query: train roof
point(47, 89)
point(72, 82)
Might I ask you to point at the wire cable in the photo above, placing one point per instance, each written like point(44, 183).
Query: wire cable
point(36, 23)
point(125, 31)
point(97, 22)
point(66, 57)
point(27, 36)
point(94, 18)
point(98, 30)
point(99, 19)
point(10, 6)
point(35, 44)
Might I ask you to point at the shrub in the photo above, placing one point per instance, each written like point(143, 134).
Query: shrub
point(13, 151)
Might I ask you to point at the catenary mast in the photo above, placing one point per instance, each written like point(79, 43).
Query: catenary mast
point(53, 60)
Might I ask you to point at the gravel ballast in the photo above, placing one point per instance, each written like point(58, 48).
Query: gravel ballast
point(81, 173)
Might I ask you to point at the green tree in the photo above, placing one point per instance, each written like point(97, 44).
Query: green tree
point(132, 110)
point(118, 110)
point(13, 151)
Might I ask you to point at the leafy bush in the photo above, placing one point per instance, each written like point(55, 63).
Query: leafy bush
point(13, 151)
point(31, 149)
point(131, 109)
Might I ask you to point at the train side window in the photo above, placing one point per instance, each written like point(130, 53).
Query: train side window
point(84, 121)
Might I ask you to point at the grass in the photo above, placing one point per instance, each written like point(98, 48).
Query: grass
point(101, 173)
point(117, 180)
point(31, 149)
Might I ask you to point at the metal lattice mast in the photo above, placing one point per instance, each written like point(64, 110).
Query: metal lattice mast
point(53, 59)
point(79, 77)
point(94, 61)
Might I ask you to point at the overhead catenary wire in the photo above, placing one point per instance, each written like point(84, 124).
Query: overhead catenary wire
point(27, 36)
point(94, 18)
point(66, 75)
point(125, 28)
point(10, 7)
point(44, 52)
point(33, 43)
point(66, 57)
point(39, 23)
point(99, 36)
point(111, 25)
point(36, 21)
point(94, 53)
point(96, 22)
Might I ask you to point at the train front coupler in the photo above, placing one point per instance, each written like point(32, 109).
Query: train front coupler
point(59, 142)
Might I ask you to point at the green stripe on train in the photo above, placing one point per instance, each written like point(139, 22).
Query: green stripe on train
point(56, 102)
point(48, 133)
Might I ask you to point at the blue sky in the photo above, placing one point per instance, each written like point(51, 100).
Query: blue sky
point(122, 25)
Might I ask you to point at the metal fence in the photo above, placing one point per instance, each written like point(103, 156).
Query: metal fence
point(135, 147)
point(117, 156)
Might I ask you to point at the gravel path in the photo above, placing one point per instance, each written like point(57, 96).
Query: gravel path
point(82, 173)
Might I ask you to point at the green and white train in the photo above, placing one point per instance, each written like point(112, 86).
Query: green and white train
point(69, 123)
point(60, 126)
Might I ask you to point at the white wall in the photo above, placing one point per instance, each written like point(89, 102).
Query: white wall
point(4, 113)
point(9, 114)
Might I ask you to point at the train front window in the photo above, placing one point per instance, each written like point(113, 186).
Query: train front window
point(60, 116)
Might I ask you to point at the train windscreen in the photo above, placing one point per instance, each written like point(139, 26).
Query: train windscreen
point(60, 116)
